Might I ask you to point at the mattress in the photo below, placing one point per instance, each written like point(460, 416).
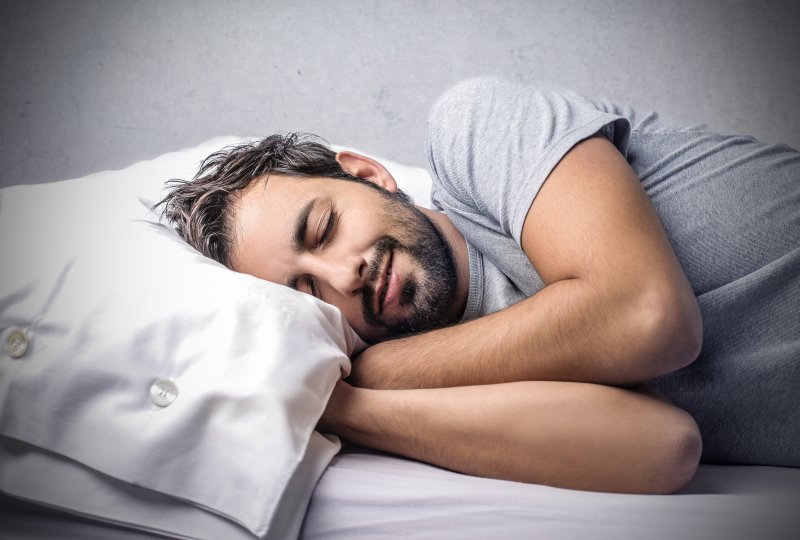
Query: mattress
point(369, 495)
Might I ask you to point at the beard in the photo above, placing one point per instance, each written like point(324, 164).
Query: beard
point(430, 291)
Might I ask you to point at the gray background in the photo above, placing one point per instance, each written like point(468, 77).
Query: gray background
point(92, 85)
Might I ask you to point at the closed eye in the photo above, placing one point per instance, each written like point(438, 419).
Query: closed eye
point(306, 284)
point(329, 226)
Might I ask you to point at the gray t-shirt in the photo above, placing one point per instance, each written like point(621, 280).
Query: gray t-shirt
point(730, 206)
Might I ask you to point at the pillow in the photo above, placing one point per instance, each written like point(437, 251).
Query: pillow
point(170, 393)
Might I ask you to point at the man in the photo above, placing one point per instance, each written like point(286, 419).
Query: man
point(578, 245)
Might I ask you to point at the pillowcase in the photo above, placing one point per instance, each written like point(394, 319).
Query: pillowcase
point(172, 394)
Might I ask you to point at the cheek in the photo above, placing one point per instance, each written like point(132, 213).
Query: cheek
point(351, 309)
point(373, 217)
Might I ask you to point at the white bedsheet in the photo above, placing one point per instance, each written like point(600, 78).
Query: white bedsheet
point(370, 496)
point(365, 495)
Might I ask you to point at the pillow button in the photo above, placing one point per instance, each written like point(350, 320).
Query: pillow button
point(163, 392)
point(17, 344)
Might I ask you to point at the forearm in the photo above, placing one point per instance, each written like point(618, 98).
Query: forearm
point(572, 330)
point(570, 435)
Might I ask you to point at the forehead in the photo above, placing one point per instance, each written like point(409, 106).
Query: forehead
point(272, 200)
point(262, 216)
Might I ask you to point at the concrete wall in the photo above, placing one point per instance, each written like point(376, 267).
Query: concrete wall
point(90, 85)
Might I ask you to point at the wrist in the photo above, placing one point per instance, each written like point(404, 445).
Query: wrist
point(349, 412)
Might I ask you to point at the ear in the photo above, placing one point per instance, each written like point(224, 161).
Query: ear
point(366, 168)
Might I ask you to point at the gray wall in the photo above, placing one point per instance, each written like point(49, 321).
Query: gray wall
point(91, 85)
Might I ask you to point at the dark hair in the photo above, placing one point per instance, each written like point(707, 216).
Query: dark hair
point(199, 208)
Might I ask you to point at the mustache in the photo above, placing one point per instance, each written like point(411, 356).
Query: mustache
point(383, 246)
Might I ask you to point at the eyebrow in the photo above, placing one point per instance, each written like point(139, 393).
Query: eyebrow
point(301, 224)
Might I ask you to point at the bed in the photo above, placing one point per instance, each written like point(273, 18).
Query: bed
point(204, 476)
point(364, 495)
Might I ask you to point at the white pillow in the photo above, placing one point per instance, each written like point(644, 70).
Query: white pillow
point(136, 371)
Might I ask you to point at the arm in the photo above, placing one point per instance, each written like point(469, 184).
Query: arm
point(571, 435)
point(616, 307)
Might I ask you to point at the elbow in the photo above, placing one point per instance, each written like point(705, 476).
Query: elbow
point(682, 450)
point(671, 328)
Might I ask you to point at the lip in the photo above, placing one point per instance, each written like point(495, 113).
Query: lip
point(391, 292)
point(382, 287)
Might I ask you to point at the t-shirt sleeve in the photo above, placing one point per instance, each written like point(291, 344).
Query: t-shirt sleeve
point(492, 143)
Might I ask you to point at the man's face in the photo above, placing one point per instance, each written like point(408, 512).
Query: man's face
point(377, 258)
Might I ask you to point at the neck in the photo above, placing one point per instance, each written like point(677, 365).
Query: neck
point(458, 245)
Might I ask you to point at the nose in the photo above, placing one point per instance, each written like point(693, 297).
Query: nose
point(346, 274)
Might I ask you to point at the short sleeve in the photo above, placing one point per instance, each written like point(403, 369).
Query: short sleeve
point(492, 144)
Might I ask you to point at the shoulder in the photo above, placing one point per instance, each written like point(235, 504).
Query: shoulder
point(474, 133)
point(480, 93)
point(491, 143)
point(468, 117)
point(468, 90)
point(483, 109)
point(487, 119)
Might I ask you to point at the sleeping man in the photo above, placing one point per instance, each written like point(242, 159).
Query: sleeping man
point(600, 300)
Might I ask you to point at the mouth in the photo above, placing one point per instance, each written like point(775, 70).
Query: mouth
point(383, 286)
